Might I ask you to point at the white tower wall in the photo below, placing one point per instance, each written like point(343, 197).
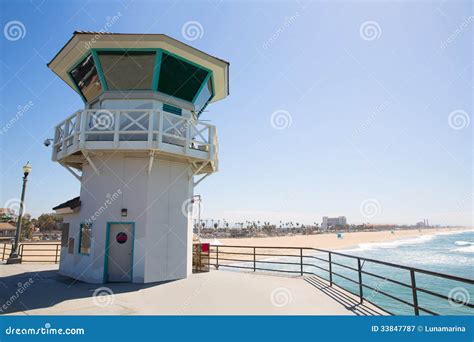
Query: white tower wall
point(163, 234)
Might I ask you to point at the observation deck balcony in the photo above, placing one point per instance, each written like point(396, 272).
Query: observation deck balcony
point(137, 131)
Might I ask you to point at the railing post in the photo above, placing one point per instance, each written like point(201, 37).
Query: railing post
point(188, 138)
point(254, 261)
point(330, 268)
point(160, 130)
point(415, 295)
point(361, 293)
point(3, 255)
point(82, 128)
point(56, 256)
point(212, 147)
point(151, 119)
point(116, 122)
point(65, 135)
point(55, 146)
point(77, 126)
point(217, 257)
point(301, 261)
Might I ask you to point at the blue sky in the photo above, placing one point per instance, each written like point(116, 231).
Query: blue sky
point(377, 97)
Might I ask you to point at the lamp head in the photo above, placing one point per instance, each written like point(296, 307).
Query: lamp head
point(27, 169)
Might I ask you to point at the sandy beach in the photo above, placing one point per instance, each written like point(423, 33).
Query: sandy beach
point(331, 242)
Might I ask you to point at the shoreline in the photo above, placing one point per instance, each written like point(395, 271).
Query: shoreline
point(350, 240)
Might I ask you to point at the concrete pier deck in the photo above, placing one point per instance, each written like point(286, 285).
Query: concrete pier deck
point(214, 293)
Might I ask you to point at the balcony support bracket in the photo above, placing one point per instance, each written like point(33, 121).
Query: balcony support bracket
point(150, 161)
point(79, 178)
point(91, 163)
point(200, 179)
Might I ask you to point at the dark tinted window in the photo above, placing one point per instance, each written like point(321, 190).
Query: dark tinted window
point(179, 78)
point(132, 70)
point(86, 78)
point(85, 239)
point(64, 234)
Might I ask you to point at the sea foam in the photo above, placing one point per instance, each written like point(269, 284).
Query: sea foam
point(392, 244)
point(463, 243)
point(467, 249)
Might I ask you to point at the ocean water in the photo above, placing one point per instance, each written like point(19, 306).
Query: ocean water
point(444, 252)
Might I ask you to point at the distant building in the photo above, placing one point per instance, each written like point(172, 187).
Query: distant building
point(7, 229)
point(333, 221)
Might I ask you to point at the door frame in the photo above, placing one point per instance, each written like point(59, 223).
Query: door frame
point(107, 246)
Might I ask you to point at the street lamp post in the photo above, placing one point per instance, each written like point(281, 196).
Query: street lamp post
point(15, 258)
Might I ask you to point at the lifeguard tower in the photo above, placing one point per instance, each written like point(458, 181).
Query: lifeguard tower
point(138, 150)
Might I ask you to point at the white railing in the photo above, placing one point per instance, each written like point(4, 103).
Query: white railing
point(135, 130)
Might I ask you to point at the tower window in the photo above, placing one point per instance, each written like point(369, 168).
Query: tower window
point(86, 79)
point(179, 78)
point(127, 70)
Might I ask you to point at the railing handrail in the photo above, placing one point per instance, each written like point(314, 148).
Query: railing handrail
point(414, 288)
point(56, 252)
point(418, 270)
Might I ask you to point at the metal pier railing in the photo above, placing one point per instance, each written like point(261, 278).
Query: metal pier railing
point(257, 258)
